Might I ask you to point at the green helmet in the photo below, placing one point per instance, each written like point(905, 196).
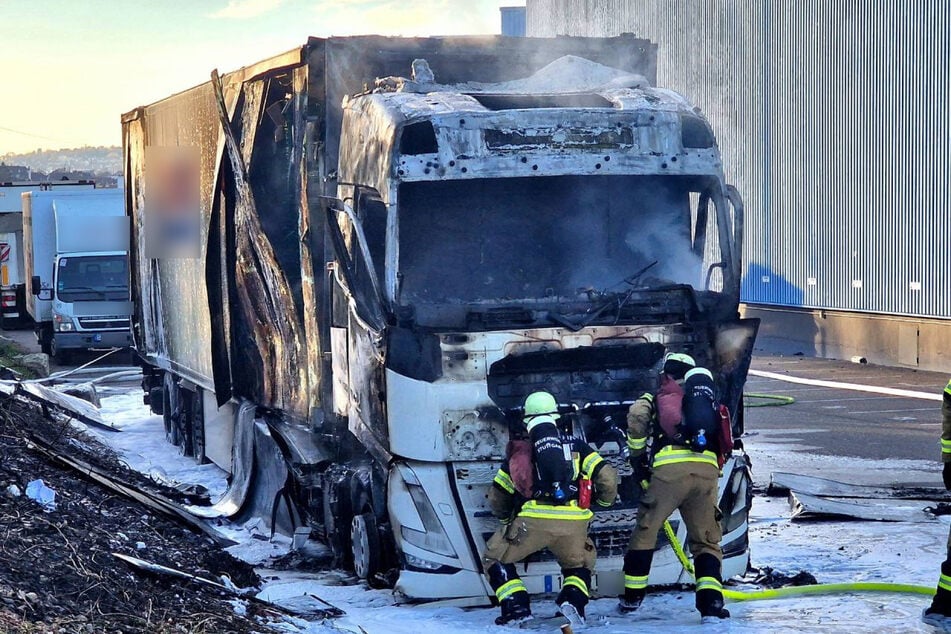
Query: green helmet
point(540, 407)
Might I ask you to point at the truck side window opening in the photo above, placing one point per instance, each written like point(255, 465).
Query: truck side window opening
point(563, 233)
point(372, 213)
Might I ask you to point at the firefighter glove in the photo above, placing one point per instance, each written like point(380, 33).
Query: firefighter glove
point(642, 471)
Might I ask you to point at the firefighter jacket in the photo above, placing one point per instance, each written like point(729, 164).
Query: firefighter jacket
point(649, 419)
point(507, 502)
point(946, 425)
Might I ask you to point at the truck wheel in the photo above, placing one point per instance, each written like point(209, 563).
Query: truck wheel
point(169, 404)
point(336, 519)
point(183, 416)
point(45, 339)
point(157, 402)
point(365, 546)
point(198, 428)
point(62, 357)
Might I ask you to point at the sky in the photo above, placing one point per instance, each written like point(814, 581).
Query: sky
point(71, 68)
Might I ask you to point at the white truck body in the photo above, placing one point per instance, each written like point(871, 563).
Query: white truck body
point(76, 261)
point(12, 278)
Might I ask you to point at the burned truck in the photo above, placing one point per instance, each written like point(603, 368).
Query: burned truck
point(394, 241)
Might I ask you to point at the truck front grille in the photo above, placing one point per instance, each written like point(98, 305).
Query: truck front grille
point(103, 323)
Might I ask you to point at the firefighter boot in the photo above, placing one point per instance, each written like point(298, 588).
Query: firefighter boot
point(938, 615)
point(637, 566)
point(511, 593)
point(574, 594)
point(709, 588)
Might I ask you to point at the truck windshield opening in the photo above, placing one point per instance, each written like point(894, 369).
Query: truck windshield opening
point(527, 239)
point(93, 278)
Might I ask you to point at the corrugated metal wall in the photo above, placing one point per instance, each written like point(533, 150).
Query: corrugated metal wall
point(833, 120)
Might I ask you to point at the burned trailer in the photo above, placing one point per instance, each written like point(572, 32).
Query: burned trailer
point(380, 268)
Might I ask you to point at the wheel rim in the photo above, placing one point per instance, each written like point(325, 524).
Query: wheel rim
point(360, 541)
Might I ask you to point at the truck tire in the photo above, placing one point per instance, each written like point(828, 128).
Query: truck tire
point(157, 402)
point(197, 428)
point(337, 520)
point(169, 403)
point(62, 357)
point(365, 546)
point(44, 337)
point(183, 417)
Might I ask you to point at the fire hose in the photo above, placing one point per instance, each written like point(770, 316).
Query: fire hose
point(793, 591)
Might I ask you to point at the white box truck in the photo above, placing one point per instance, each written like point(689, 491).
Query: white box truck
point(76, 258)
point(12, 281)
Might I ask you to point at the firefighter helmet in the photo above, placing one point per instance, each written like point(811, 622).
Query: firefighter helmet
point(539, 405)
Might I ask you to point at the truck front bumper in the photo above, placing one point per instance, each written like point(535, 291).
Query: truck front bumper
point(85, 340)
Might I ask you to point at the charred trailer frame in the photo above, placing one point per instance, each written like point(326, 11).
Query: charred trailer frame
point(359, 381)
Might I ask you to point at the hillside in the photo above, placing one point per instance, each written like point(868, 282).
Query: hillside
point(94, 160)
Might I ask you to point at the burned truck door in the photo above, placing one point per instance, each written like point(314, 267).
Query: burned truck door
point(358, 342)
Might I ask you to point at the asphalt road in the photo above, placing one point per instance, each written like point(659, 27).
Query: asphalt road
point(824, 421)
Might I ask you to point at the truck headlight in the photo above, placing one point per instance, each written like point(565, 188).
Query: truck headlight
point(62, 324)
point(433, 537)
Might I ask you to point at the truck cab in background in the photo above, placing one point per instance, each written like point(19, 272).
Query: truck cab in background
point(13, 313)
point(77, 264)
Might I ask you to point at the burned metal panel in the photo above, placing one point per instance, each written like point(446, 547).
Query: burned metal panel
point(831, 116)
point(272, 370)
point(345, 66)
point(172, 316)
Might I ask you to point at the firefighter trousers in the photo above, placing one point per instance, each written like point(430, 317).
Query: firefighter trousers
point(690, 487)
point(567, 540)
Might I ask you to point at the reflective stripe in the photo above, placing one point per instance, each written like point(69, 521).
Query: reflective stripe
point(635, 444)
point(669, 455)
point(647, 396)
point(509, 588)
point(504, 480)
point(709, 583)
point(947, 389)
point(945, 446)
point(570, 511)
point(605, 504)
point(635, 583)
point(590, 463)
point(945, 582)
point(576, 582)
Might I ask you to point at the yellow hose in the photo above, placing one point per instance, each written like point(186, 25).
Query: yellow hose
point(792, 591)
point(768, 400)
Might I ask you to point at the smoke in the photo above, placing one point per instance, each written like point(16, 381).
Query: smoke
point(625, 225)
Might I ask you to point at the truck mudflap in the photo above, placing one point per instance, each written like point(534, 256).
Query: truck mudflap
point(442, 522)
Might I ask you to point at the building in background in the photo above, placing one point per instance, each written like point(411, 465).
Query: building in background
point(833, 121)
point(513, 21)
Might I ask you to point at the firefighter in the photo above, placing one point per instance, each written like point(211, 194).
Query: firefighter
point(685, 475)
point(541, 494)
point(939, 614)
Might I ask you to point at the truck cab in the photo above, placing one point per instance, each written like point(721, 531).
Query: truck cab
point(90, 297)
point(77, 263)
point(503, 242)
